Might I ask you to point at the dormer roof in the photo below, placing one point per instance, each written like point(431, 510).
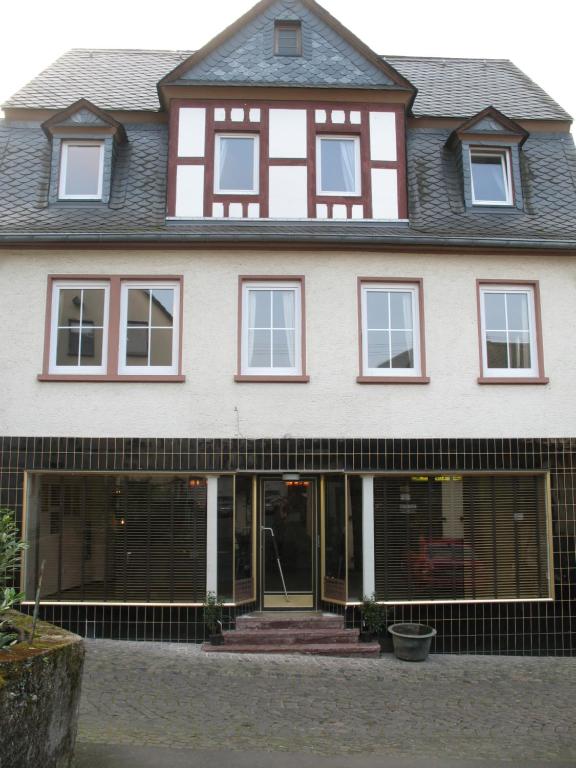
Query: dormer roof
point(489, 123)
point(243, 54)
point(82, 114)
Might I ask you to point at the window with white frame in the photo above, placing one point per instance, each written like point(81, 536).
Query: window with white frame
point(79, 330)
point(81, 170)
point(236, 164)
point(149, 328)
point(271, 329)
point(338, 161)
point(390, 329)
point(491, 176)
point(507, 316)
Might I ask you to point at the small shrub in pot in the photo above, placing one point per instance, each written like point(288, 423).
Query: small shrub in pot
point(213, 607)
point(374, 617)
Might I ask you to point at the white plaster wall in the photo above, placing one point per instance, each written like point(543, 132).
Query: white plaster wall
point(287, 133)
point(211, 404)
point(384, 193)
point(288, 192)
point(383, 136)
point(190, 190)
point(191, 131)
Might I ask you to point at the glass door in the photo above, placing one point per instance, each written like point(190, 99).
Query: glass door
point(288, 544)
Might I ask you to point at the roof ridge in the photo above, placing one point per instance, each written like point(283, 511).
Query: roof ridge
point(444, 58)
point(128, 50)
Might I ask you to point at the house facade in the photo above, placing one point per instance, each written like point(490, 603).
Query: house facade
point(289, 321)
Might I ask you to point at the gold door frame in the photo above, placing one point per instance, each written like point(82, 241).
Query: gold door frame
point(297, 600)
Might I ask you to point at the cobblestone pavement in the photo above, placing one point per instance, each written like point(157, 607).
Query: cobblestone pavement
point(479, 707)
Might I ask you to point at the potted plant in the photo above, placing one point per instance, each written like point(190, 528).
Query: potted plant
point(10, 548)
point(411, 641)
point(213, 618)
point(373, 619)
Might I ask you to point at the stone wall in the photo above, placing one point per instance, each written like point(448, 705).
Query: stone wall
point(39, 697)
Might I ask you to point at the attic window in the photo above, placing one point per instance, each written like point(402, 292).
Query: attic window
point(81, 170)
point(287, 38)
point(491, 178)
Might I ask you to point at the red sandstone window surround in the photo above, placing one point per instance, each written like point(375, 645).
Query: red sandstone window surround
point(113, 328)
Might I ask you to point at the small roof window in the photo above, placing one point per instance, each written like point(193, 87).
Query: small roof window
point(81, 170)
point(491, 178)
point(287, 38)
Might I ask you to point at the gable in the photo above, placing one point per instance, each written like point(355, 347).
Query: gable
point(244, 54)
point(83, 114)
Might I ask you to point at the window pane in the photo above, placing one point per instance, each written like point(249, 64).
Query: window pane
point(401, 310)
point(82, 170)
point(163, 307)
point(354, 539)
point(136, 346)
point(518, 319)
point(123, 539)
point(283, 356)
point(244, 526)
point(236, 163)
point(338, 163)
point(91, 346)
point(378, 349)
point(70, 300)
point(377, 309)
point(488, 178)
point(259, 349)
point(453, 537)
point(225, 538)
point(519, 349)
point(259, 308)
point(93, 306)
point(283, 303)
point(161, 346)
point(495, 311)
point(497, 349)
point(402, 349)
point(67, 346)
point(138, 306)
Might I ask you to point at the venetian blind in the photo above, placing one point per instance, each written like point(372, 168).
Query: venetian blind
point(461, 537)
point(119, 538)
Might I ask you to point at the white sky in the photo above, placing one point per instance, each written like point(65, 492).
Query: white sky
point(537, 36)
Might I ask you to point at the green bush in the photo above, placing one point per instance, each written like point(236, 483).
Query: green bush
point(11, 546)
point(213, 613)
point(374, 615)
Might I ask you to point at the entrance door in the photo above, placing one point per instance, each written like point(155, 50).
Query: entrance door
point(288, 543)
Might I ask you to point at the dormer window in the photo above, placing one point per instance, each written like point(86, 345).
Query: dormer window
point(491, 177)
point(287, 38)
point(81, 170)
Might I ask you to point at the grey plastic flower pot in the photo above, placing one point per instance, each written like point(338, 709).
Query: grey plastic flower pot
point(411, 641)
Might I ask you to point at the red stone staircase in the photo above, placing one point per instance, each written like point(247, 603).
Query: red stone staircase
point(319, 634)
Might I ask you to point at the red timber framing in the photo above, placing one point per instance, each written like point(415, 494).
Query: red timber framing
point(347, 127)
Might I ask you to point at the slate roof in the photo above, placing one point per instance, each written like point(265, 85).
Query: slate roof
point(247, 55)
point(126, 80)
point(138, 198)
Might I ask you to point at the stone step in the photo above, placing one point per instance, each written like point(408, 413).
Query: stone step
point(355, 650)
point(285, 621)
point(291, 636)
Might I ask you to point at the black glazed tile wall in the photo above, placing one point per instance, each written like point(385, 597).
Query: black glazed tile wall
point(507, 628)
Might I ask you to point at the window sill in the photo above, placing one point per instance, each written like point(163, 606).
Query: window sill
point(513, 380)
point(272, 379)
point(392, 379)
point(177, 379)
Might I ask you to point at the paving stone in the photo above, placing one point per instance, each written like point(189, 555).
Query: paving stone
point(450, 707)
